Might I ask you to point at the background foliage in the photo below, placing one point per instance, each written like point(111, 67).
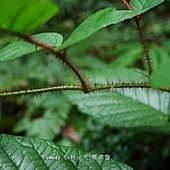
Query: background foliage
point(53, 116)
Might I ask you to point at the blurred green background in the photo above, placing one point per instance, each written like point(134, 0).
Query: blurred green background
point(52, 116)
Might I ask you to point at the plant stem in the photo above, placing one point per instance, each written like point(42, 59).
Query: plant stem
point(38, 90)
point(145, 47)
point(93, 88)
point(63, 57)
point(142, 38)
point(60, 55)
point(127, 5)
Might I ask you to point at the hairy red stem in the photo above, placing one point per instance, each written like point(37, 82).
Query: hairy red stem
point(142, 38)
point(58, 54)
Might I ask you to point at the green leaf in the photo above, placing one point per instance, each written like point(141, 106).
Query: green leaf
point(139, 5)
point(128, 57)
point(25, 16)
point(127, 108)
point(25, 153)
point(136, 108)
point(160, 77)
point(159, 56)
point(104, 18)
point(20, 48)
point(108, 74)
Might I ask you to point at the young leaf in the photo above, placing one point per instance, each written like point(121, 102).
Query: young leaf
point(25, 153)
point(134, 108)
point(107, 17)
point(20, 48)
point(25, 16)
point(161, 77)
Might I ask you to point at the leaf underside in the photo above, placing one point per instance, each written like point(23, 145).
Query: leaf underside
point(122, 108)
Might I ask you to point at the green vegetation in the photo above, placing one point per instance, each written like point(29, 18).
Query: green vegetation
point(85, 85)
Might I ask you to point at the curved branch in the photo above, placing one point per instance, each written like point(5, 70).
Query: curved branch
point(62, 56)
